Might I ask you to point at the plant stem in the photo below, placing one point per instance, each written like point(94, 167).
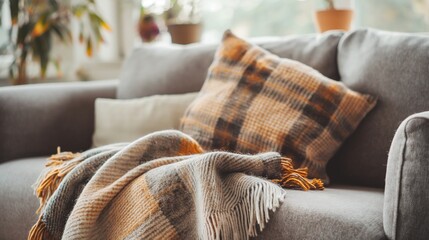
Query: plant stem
point(330, 4)
point(22, 73)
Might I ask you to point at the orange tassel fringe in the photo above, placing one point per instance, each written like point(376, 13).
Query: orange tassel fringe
point(60, 165)
point(297, 178)
point(38, 231)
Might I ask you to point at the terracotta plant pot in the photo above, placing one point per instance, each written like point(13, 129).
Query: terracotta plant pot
point(334, 19)
point(185, 33)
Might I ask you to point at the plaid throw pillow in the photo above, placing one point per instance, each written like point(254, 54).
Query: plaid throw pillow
point(253, 101)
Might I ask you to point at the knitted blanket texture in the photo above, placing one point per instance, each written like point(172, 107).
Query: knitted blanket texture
point(162, 186)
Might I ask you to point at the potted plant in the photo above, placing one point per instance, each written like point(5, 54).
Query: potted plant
point(147, 27)
point(183, 21)
point(332, 18)
point(36, 22)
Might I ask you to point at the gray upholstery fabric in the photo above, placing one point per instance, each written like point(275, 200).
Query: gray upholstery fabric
point(406, 208)
point(17, 202)
point(179, 69)
point(394, 67)
point(35, 119)
point(167, 69)
point(340, 212)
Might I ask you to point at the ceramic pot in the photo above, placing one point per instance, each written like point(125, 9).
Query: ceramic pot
point(333, 19)
point(185, 33)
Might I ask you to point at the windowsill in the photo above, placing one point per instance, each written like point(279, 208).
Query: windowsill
point(88, 72)
point(100, 70)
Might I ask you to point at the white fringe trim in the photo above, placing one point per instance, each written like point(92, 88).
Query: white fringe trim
point(242, 221)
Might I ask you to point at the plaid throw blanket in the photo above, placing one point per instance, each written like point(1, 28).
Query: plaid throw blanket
point(162, 186)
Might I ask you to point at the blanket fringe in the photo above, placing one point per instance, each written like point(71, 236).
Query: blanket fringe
point(59, 166)
point(243, 220)
point(38, 231)
point(297, 178)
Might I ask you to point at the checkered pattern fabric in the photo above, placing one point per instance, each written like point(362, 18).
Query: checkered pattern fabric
point(253, 101)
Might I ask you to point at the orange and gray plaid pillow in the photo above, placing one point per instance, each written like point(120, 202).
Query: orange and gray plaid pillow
point(253, 101)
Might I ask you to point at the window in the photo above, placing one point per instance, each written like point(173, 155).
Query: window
point(282, 17)
point(247, 18)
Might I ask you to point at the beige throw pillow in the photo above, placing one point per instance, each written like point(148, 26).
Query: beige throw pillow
point(127, 120)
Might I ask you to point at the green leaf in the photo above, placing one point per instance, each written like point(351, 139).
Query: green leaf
point(23, 33)
point(97, 22)
point(89, 50)
point(57, 65)
point(54, 4)
point(95, 18)
point(43, 66)
point(42, 25)
point(13, 69)
point(58, 31)
point(42, 49)
point(96, 29)
point(62, 31)
point(79, 10)
point(68, 33)
point(14, 10)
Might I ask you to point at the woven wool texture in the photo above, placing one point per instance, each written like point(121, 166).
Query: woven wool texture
point(161, 186)
point(253, 101)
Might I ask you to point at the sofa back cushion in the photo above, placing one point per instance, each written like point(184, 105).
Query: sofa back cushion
point(395, 68)
point(174, 69)
point(164, 69)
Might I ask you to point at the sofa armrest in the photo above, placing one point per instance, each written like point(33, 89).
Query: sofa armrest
point(35, 119)
point(406, 208)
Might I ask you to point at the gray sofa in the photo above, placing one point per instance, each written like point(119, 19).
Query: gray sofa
point(379, 176)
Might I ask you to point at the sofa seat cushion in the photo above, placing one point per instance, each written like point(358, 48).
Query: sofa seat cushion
point(17, 201)
point(338, 212)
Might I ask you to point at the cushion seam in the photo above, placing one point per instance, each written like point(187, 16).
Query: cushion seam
point(398, 200)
